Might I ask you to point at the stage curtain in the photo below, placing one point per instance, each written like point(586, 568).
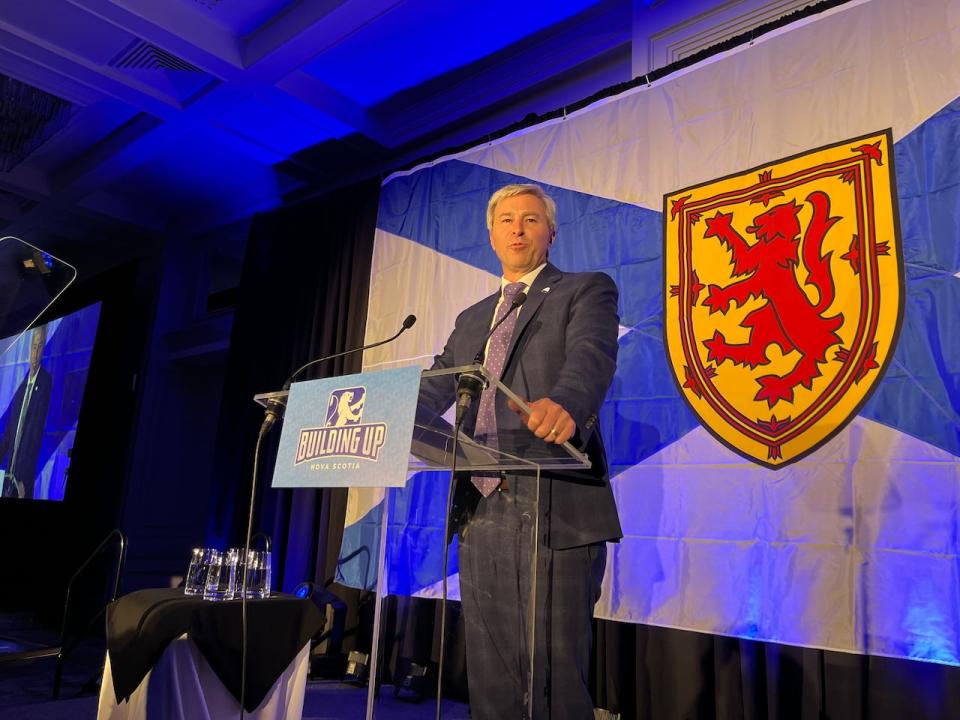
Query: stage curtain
point(303, 295)
point(651, 673)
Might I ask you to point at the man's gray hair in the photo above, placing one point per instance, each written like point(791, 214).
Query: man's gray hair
point(512, 190)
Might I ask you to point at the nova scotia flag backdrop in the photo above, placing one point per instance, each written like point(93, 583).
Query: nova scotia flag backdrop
point(852, 548)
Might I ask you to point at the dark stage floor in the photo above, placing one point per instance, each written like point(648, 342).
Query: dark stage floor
point(325, 700)
point(25, 688)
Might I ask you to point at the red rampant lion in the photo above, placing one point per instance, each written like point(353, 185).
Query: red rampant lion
point(768, 271)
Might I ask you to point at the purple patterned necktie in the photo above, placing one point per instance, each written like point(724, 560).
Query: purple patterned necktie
point(486, 430)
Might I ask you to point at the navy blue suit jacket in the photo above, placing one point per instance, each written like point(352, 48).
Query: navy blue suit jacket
point(564, 347)
point(25, 469)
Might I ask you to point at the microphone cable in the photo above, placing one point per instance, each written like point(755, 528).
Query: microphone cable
point(451, 493)
point(264, 429)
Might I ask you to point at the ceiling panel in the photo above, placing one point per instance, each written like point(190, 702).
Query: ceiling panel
point(203, 111)
point(88, 127)
point(417, 41)
point(65, 28)
point(199, 169)
point(281, 123)
point(240, 17)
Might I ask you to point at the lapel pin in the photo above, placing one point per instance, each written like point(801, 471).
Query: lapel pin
point(546, 289)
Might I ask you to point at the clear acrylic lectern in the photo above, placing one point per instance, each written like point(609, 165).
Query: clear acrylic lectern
point(517, 451)
point(433, 448)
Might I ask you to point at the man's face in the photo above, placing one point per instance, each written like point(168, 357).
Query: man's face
point(520, 234)
point(36, 349)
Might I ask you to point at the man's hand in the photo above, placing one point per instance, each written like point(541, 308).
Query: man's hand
point(547, 420)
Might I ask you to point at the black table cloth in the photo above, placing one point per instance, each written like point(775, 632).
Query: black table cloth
point(141, 625)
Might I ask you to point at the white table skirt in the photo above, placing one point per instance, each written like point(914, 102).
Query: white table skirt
point(182, 686)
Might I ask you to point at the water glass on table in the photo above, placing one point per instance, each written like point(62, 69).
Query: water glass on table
point(196, 581)
point(257, 568)
point(222, 576)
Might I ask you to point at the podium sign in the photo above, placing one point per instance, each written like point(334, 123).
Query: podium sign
point(365, 431)
point(348, 431)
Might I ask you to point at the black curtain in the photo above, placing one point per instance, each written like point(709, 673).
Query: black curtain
point(651, 673)
point(303, 295)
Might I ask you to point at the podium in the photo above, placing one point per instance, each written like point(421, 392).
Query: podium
point(434, 446)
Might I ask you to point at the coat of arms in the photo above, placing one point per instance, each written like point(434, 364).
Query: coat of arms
point(783, 296)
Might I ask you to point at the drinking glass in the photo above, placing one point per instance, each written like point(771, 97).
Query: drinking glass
point(257, 567)
point(222, 577)
point(197, 572)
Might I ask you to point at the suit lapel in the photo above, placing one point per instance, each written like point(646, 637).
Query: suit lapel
point(548, 277)
point(478, 325)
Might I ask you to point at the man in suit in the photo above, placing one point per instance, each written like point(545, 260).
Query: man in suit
point(558, 351)
point(25, 421)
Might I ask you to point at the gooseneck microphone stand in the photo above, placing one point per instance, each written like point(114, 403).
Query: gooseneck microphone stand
point(275, 408)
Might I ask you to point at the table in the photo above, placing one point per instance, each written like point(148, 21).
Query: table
point(173, 656)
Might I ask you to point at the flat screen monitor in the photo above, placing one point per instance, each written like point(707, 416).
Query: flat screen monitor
point(42, 379)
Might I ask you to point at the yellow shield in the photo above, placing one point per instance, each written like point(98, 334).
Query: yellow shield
point(783, 295)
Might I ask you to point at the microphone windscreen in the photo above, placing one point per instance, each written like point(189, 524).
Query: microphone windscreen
point(409, 321)
point(519, 299)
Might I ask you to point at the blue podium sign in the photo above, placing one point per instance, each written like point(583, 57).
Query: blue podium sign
point(349, 431)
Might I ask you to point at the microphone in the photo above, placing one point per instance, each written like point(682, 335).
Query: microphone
point(276, 406)
point(471, 384)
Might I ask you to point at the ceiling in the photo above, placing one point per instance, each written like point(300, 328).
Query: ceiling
point(143, 115)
